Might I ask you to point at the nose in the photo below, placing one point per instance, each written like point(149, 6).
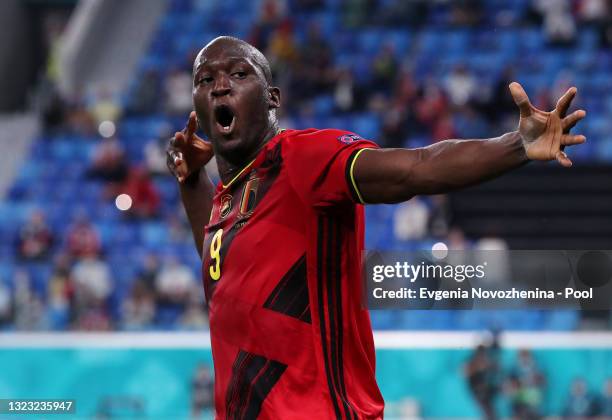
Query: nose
point(222, 86)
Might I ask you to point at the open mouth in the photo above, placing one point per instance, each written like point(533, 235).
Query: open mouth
point(225, 118)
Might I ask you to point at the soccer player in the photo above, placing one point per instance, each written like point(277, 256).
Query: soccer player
point(281, 235)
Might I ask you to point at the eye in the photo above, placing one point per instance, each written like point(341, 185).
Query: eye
point(239, 74)
point(205, 79)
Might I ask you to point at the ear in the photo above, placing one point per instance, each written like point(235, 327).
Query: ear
point(274, 97)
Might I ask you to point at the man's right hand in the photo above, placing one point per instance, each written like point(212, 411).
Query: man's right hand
point(187, 153)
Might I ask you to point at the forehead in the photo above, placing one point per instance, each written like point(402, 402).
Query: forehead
point(222, 52)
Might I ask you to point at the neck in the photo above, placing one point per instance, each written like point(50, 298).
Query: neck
point(229, 169)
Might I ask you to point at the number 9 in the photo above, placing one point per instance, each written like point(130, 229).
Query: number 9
point(215, 247)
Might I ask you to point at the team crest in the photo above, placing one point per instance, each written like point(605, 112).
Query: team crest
point(226, 205)
point(349, 138)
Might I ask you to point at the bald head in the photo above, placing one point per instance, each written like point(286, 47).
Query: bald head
point(238, 47)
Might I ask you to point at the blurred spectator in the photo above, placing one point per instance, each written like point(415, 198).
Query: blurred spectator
point(78, 120)
point(470, 125)
point(439, 216)
point(94, 317)
point(501, 104)
point(104, 106)
point(399, 12)
point(145, 98)
point(314, 72)
point(92, 283)
point(282, 52)
point(29, 308)
point(466, 12)
point(410, 220)
point(6, 305)
point(149, 272)
point(178, 87)
point(605, 404)
point(308, 5)
point(559, 25)
point(145, 198)
point(60, 292)
point(138, 310)
point(456, 240)
point(526, 387)
point(202, 386)
point(580, 403)
point(406, 88)
point(194, 317)
point(394, 126)
point(174, 284)
point(443, 128)
point(432, 104)
point(155, 156)
point(358, 12)
point(82, 238)
point(108, 162)
point(384, 68)
point(460, 85)
point(272, 11)
point(178, 227)
point(35, 238)
point(481, 372)
point(592, 11)
point(344, 92)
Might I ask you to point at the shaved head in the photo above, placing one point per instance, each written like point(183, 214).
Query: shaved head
point(241, 46)
point(234, 100)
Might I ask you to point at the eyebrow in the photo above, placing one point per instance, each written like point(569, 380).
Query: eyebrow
point(230, 59)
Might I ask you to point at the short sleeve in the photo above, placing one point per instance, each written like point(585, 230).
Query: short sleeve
point(320, 164)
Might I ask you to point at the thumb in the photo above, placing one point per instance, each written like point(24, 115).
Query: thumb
point(520, 99)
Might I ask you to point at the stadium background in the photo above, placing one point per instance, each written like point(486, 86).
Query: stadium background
point(100, 297)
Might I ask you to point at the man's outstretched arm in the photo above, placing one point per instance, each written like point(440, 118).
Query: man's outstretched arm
point(186, 156)
point(394, 175)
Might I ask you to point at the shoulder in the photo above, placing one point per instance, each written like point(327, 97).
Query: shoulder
point(327, 137)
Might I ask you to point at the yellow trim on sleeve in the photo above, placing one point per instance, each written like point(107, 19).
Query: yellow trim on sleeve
point(238, 174)
point(353, 178)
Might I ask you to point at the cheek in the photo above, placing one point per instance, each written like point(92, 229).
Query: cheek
point(198, 99)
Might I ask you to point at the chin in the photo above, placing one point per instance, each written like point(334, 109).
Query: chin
point(233, 149)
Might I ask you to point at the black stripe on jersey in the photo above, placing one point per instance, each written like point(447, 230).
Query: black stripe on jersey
point(334, 307)
point(253, 377)
point(337, 283)
point(347, 176)
point(321, 303)
point(263, 384)
point(290, 296)
point(234, 389)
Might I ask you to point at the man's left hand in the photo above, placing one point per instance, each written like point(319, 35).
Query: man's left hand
point(545, 134)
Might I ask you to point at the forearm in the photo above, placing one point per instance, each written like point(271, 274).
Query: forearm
point(439, 168)
point(197, 195)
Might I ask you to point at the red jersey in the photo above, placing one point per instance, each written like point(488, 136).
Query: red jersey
point(282, 276)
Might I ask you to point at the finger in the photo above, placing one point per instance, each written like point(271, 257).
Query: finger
point(177, 159)
point(570, 121)
point(570, 140)
point(563, 159)
point(180, 140)
point(565, 101)
point(521, 99)
point(192, 124)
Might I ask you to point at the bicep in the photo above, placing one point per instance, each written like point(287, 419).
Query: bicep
point(384, 175)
